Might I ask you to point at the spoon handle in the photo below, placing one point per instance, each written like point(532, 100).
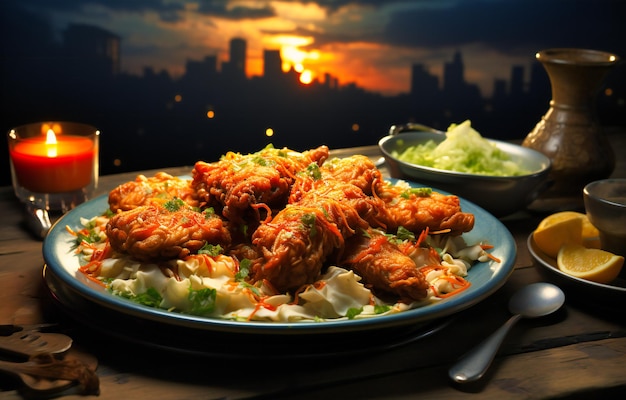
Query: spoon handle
point(473, 364)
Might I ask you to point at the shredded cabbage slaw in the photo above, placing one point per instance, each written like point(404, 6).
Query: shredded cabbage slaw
point(463, 150)
point(208, 285)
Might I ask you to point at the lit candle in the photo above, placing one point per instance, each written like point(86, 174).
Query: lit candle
point(53, 162)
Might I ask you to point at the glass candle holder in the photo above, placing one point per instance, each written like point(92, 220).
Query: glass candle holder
point(54, 165)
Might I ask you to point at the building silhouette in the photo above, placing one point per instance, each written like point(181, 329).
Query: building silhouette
point(235, 68)
point(517, 81)
point(423, 83)
point(453, 74)
point(92, 48)
point(272, 64)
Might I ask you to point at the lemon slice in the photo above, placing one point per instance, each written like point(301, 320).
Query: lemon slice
point(591, 264)
point(556, 230)
point(590, 234)
point(559, 217)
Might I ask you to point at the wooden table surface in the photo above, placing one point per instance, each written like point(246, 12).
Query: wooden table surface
point(577, 352)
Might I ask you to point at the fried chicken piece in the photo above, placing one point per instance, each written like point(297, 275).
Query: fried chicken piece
point(153, 233)
point(384, 266)
point(298, 240)
point(294, 247)
point(416, 211)
point(158, 189)
point(357, 170)
point(248, 188)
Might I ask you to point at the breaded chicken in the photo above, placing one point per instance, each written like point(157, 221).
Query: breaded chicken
point(384, 266)
point(154, 232)
point(417, 210)
point(299, 239)
point(248, 188)
point(160, 188)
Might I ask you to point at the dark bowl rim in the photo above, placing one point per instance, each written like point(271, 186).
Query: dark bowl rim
point(537, 173)
point(598, 199)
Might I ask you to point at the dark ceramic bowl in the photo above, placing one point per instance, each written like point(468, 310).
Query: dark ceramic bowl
point(605, 203)
point(500, 195)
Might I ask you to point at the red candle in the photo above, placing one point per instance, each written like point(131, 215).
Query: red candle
point(53, 163)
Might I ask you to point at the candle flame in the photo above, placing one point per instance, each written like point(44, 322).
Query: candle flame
point(51, 143)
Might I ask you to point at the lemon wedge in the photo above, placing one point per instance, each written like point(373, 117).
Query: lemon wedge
point(559, 229)
point(590, 234)
point(591, 264)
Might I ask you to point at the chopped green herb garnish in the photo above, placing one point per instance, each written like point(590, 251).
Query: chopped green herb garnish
point(202, 301)
point(91, 237)
point(174, 205)
point(244, 269)
point(251, 288)
point(106, 281)
point(404, 234)
point(419, 192)
point(381, 309)
point(353, 312)
point(150, 298)
point(213, 250)
point(314, 171)
point(309, 221)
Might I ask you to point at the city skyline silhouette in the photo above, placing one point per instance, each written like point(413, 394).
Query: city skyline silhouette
point(157, 121)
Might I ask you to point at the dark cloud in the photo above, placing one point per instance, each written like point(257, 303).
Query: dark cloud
point(507, 26)
point(334, 5)
point(220, 9)
point(168, 11)
point(510, 26)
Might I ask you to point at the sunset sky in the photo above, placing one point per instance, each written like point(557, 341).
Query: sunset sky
point(370, 43)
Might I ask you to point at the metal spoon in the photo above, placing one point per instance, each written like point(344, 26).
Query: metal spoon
point(534, 300)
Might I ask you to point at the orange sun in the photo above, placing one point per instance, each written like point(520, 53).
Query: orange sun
point(295, 57)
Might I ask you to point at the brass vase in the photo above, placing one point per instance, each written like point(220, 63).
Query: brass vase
point(569, 133)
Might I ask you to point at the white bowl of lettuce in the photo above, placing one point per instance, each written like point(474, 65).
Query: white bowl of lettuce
point(500, 177)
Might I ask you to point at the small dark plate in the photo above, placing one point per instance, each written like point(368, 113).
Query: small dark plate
point(593, 291)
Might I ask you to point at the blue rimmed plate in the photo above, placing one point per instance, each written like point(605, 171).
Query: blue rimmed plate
point(485, 278)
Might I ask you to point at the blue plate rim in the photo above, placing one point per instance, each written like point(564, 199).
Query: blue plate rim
point(57, 246)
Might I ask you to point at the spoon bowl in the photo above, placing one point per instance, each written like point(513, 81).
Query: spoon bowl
point(536, 300)
point(532, 301)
